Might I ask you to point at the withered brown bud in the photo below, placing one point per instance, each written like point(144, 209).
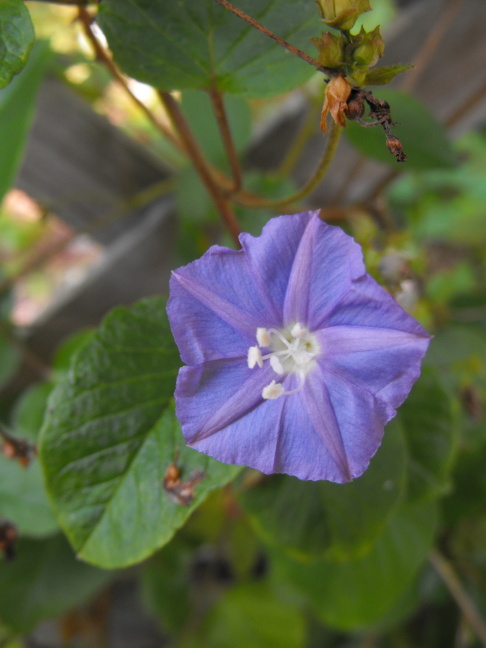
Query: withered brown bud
point(19, 449)
point(355, 107)
point(335, 102)
point(8, 537)
point(395, 147)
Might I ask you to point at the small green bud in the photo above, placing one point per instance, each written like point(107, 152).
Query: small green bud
point(331, 50)
point(369, 48)
point(342, 14)
point(357, 78)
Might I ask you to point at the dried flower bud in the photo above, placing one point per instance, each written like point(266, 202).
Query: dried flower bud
point(355, 106)
point(335, 102)
point(395, 147)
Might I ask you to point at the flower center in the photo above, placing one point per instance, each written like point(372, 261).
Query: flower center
point(292, 351)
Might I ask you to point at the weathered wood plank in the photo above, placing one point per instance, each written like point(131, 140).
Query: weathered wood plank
point(79, 166)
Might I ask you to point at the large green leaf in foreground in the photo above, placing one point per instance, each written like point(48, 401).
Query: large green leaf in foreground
point(181, 44)
point(109, 436)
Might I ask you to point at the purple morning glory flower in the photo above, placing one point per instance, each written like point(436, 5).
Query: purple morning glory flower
point(296, 358)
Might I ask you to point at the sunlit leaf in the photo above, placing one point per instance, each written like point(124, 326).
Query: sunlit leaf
point(16, 112)
point(185, 44)
point(16, 38)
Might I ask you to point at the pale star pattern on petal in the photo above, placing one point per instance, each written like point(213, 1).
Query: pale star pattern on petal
point(295, 357)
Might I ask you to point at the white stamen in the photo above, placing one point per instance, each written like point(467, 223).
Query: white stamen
point(276, 365)
point(263, 337)
point(292, 351)
point(272, 391)
point(254, 357)
point(298, 331)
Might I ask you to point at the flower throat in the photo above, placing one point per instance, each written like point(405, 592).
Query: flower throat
point(292, 351)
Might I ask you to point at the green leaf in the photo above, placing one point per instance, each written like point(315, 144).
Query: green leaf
point(110, 435)
point(248, 615)
point(16, 38)
point(23, 499)
point(358, 593)
point(29, 410)
point(16, 113)
point(185, 44)
point(385, 74)
point(9, 355)
point(424, 139)
point(458, 353)
point(324, 519)
point(43, 581)
point(430, 432)
point(166, 585)
point(71, 346)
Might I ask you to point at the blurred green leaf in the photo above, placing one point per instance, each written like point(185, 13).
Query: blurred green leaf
point(320, 518)
point(29, 410)
point(9, 356)
point(193, 201)
point(249, 615)
point(458, 353)
point(468, 495)
point(199, 112)
point(358, 593)
point(109, 436)
point(16, 38)
point(385, 74)
point(447, 205)
point(186, 44)
point(424, 139)
point(165, 585)
point(16, 113)
point(430, 431)
point(44, 580)
point(23, 499)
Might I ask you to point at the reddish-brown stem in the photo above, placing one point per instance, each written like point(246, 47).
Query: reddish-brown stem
point(225, 131)
point(294, 50)
point(199, 161)
point(86, 20)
